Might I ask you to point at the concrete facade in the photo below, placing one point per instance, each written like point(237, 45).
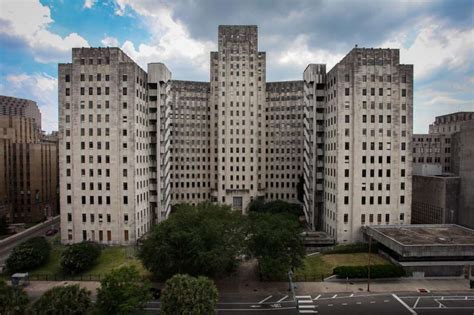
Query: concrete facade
point(232, 139)
point(368, 162)
point(104, 148)
point(462, 160)
point(435, 199)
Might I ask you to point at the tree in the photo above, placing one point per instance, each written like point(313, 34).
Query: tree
point(183, 294)
point(28, 255)
point(122, 291)
point(197, 240)
point(13, 300)
point(276, 241)
point(3, 225)
point(275, 206)
point(79, 257)
point(70, 299)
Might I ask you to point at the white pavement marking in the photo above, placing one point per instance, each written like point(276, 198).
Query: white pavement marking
point(334, 296)
point(372, 302)
point(282, 299)
point(404, 304)
point(386, 301)
point(351, 295)
point(317, 297)
point(303, 297)
point(359, 303)
point(268, 297)
point(416, 303)
point(329, 304)
point(344, 303)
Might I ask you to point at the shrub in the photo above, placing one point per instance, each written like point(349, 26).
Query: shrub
point(28, 255)
point(79, 257)
point(184, 294)
point(376, 271)
point(70, 299)
point(352, 248)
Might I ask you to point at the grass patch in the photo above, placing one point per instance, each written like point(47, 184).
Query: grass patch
point(318, 266)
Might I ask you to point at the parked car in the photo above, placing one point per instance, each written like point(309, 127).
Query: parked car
point(51, 232)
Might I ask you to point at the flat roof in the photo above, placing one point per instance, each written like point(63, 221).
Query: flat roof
point(427, 234)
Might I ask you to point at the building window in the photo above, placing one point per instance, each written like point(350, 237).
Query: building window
point(346, 217)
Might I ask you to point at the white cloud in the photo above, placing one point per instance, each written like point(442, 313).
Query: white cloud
point(39, 87)
point(170, 42)
point(88, 4)
point(299, 53)
point(28, 20)
point(435, 46)
point(110, 41)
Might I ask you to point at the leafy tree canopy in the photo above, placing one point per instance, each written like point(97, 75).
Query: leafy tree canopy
point(123, 291)
point(184, 294)
point(70, 299)
point(197, 240)
point(13, 300)
point(29, 255)
point(276, 241)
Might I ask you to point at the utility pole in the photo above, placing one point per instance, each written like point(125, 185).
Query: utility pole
point(368, 265)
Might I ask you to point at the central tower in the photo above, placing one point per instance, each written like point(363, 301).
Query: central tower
point(237, 117)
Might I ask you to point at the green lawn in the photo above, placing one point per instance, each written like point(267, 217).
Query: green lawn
point(318, 266)
point(110, 258)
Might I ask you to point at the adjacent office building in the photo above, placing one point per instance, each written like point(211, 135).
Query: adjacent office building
point(443, 166)
point(28, 163)
point(135, 143)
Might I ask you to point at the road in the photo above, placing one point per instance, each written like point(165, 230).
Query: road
point(344, 303)
point(6, 250)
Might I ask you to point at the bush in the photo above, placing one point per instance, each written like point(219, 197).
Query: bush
point(352, 248)
point(28, 255)
point(183, 294)
point(79, 257)
point(70, 299)
point(376, 271)
point(13, 300)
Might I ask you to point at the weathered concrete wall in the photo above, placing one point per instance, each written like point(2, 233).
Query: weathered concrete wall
point(463, 165)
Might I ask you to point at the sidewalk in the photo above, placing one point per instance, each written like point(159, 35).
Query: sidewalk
point(399, 285)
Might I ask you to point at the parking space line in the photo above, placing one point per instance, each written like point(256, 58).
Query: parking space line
point(416, 303)
point(317, 297)
point(351, 295)
point(282, 299)
point(268, 297)
point(404, 304)
point(334, 296)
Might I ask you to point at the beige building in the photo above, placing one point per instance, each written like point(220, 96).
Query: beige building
point(435, 146)
point(28, 164)
point(104, 148)
point(368, 132)
point(138, 143)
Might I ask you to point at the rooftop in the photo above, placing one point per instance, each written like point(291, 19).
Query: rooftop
point(427, 234)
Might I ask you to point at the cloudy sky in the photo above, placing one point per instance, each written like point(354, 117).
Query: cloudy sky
point(436, 36)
